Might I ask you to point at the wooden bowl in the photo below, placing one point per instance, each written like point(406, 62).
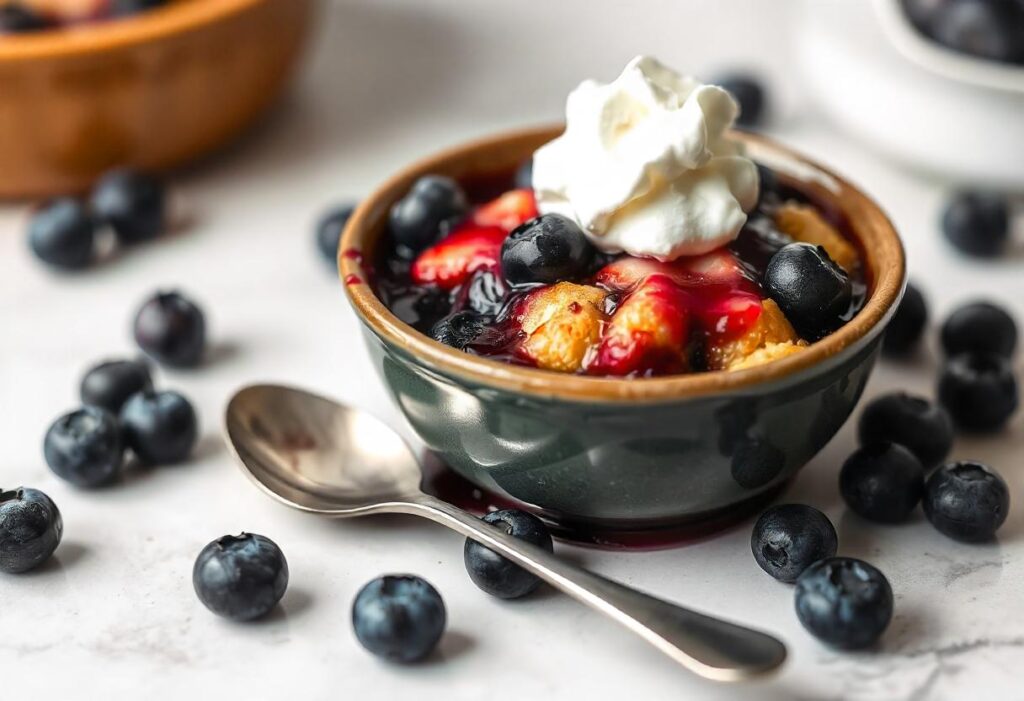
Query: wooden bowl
point(152, 91)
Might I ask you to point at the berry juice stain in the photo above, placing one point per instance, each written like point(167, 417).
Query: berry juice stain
point(353, 279)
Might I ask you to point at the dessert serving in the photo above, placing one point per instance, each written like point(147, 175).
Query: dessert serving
point(640, 242)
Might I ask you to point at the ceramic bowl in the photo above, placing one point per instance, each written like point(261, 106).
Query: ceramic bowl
point(154, 91)
point(624, 454)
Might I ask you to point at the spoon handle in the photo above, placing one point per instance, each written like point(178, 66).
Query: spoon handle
point(708, 646)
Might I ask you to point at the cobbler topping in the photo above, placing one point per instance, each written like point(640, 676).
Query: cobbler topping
point(644, 166)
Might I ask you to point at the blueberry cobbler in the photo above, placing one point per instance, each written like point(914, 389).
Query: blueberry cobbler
point(640, 242)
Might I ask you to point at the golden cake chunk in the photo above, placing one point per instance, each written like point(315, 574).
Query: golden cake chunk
point(771, 329)
point(562, 323)
point(772, 351)
point(804, 223)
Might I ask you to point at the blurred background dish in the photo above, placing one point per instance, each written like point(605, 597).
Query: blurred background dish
point(139, 91)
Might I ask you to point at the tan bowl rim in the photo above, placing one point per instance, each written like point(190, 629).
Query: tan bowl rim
point(885, 261)
point(103, 36)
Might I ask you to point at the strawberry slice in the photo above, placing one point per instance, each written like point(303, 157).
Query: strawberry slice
point(450, 262)
point(648, 332)
point(508, 211)
point(719, 267)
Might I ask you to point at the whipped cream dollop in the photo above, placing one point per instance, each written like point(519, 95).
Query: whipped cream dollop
point(644, 165)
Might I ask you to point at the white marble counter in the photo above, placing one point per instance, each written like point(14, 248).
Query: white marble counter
point(114, 615)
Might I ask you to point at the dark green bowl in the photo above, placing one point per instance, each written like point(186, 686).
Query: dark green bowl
point(626, 454)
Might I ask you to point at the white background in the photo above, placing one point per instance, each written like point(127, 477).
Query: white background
point(114, 613)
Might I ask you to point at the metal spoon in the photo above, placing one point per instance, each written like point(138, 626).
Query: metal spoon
point(316, 455)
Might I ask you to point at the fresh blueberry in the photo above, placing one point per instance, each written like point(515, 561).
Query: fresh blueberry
point(16, 18)
point(460, 329)
point(844, 602)
point(904, 332)
point(788, 538)
point(399, 617)
point(160, 427)
point(977, 223)
point(328, 231)
point(524, 175)
point(110, 384)
point(132, 203)
point(30, 529)
point(546, 250)
point(756, 462)
point(415, 221)
point(493, 573)
point(171, 329)
point(61, 233)
point(749, 93)
point(983, 29)
point(810, 289)
point(85, 447)
point(979, 327)
point(485, 293)
point(979, 391)
point(921, 426)
point(966, 501)
point(882, 482)
point(240, 577)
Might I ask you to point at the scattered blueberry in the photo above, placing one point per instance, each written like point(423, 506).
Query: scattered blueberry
point(399, 617)
point(85, 447)
point(977, 223)
point(170, 328)
point(812, 291)
point(546, 250)
point(132, 203)
point(983, 29)
point(415, 220)
point(907, 326)
point(979, 327)
point(524, 175)
point(160, 427)
point(882, 482)
point(966, 501)
point(16, 18)
point(749, 93)
point(110, 384)
point(923, 427)
point(495, 574)
point(328, 231)
point(788, 538)
point(240, 577)
point(61, 233)
point(485, 293)
point(30, 529)
point(844, 602)
point(460, 329)
point(979, 391)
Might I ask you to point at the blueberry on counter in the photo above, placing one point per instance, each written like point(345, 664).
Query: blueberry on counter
point(977, 223)
point(460, 329)
point(979, 391)
point(110, 384)
point(904, 332)
point(415, 220)
point(748, 92)
point(30, 529)
point(979, 327)
point(240, 577)
point(16, 18)
point(882, 482)
point(132, 203)
point(812, 291)
point(921, 426)
point(545, 250)
point(966, 501)
point(328, 231)
point(62, 233)
point(85, 447)
point(844, 602)
point(399, 617)
point(161, 428)
point(788, 538)
point(171, 329)
point(495, 574)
